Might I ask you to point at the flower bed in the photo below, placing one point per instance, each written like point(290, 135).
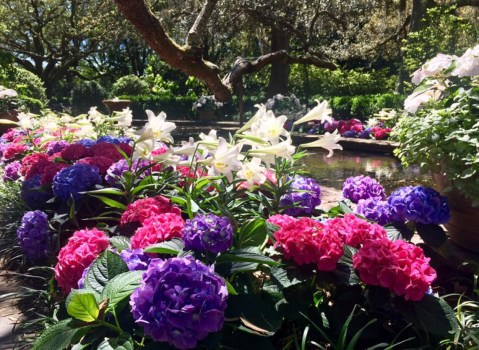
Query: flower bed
point(214, 243)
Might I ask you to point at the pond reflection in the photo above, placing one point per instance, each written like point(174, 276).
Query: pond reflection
point(387, 169)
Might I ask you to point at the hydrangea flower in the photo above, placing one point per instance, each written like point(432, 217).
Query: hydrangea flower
point(13, 150)
point(80, 251)
point(12, 171)
point(208, 233)
point(56, 146)
point(307, 242)
point(87, 142)
point(136, 259)
point(33, 195)
point(50, 171)
point(420, 204)
point(116, 170)
point(34, 164)
point(113, 139)
point(74, 151)
point(354, 231)
point(399, 266)
point(110, 150)
point(33, 235)
point(157, 229)
point(142, 209)
point(180, 301)
point(304, 197)
point(375, 210)
point(102, 163)
point(75, 179)
point(362, 187)
point(281, 220)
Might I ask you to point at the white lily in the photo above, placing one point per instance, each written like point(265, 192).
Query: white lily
point(124, 118)
point(328, 141)
point(95, 116)
point(269, 128)
point(259, 113)
point(225, 160)
point(210, 141)
point(320, 112)
point(267, 154)
point(253, 172)
point(143, 148)
point(187, 148)
point(160, 128)
point(25, 120)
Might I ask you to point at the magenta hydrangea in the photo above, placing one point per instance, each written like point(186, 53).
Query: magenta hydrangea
point(375, 210)
point(33, 235)
point(362, 187)
point(179, 301)
point(304, 197)
point(419, 204)
point(75, 179)
point(208, 233)
point(12, 171)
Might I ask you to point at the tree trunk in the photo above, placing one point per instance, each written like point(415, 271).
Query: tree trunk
point(418, 11)
point(279, 76)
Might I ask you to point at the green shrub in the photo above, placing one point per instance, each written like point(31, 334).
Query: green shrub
point(86, 94)
point(130, 85)
point(28, 84)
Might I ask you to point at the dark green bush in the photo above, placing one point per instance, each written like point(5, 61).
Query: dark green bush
point(28, 84)
point(130, 85)
point(86, 94)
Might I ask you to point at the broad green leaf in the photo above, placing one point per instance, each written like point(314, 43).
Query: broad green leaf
point(110, 202)
point(253, 233)
point(120, 242)
point(107, 266)
point(231, 289)
point(123, 342)
point(110, 190)
point(283, 277)
point(120, 287)
point(82, 305)
point(60, 335)
point(172, 247)
point(251, 255)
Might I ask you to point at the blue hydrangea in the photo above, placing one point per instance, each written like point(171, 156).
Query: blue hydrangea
point(350, 133)
point(87, 142)
point(208, 233)
point(33, 235)
point(75, 179)
point(113, 139)
point(33, 194)
point(179, 301)
point(304, 197)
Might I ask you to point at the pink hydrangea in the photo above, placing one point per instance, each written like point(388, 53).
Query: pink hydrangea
point(143, 209)
point(14, 150)
point(354, 231)
point(80, 251)
point(50, 171)
point(157, 229)
point(281, 220)
point(34, 164)
point(102, 163)
point(306, 242)
point(399, 266)
point(110, 150)
point(74, 151)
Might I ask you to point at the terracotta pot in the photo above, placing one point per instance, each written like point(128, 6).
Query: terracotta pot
point(116, 105)
point(463, 228)
point(12, 115)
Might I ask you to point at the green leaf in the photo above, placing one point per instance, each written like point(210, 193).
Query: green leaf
point(433, 235)
point(123, 342)
point(105, 267)
point(60, 335)
point(82, 305)
point(346, 209)
point(110, 202)
point(110, 190)
point(120, 287)
point(254, 233)
point(120, 242)
point(251, 255)
point(231, 289)
point(284, 277)
point(344, 272)
point(172, 247)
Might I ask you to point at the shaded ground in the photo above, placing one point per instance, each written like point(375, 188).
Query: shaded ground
point(9, 315)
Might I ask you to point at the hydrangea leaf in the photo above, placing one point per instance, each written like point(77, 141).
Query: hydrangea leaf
point(120, 287)
point(123, 342)
point(172, 247)
point(60, 335)
point(120, 242)
point(254, 233)
point(82, 305)
point(107, 266)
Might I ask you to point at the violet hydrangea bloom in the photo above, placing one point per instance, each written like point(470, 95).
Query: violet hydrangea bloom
point(375, 210)
point(420, 204)
point(365, 134)
point(304, 197)
point(33, 235)
point(113, 139)
point(81, 281)
point(33, 194)
point(116, 170)
point(12, 171)
point(136, 259)
point(362, 187)
point(56, 146)
point(87, 142)
point(75, 179)
point(208, 233)
point(179, 301)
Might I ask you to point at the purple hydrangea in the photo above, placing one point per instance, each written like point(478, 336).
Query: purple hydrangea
point(75, 179)
point(81, 281)
point(33, 235)
point(350, 133)
point(304, 197)
point(179, 301)
point(56, 146)
point(136, 259)
point(33, 194)
point(113, 139)
point(208, 233)
point(12, 171)
point(87, 142)
point(330, 127)
point(365, 134)
point(362, 187)
point(419, 204)
point(116, 170)
point(375, 210)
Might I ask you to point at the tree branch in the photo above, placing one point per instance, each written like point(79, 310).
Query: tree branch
point(193, 39)
point(462, 3)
